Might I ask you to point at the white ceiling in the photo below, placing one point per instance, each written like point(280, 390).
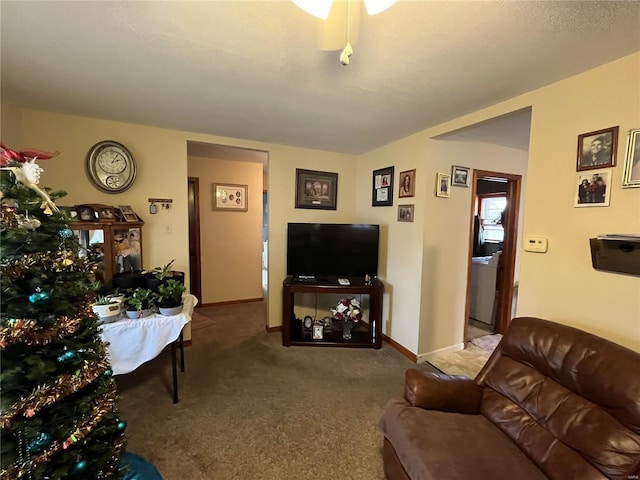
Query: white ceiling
point(253, 70)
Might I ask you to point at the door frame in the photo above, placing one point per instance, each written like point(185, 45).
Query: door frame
point(509, 245)
point(195, 274)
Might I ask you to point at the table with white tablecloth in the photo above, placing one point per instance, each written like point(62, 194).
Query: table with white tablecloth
point(132, 342)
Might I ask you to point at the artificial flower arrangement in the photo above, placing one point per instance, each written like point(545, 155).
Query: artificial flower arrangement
point(347, 309)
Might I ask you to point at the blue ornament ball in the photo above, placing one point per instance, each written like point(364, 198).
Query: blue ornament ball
point(66, 233)
point(67, 356)
point(108, 372)
point(39, 297)
point(79, 467)
point(121, 425)
point(39, 442)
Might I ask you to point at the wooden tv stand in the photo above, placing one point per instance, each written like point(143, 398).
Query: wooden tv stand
point(365, 335)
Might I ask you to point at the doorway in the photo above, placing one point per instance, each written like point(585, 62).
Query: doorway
point(499, 257)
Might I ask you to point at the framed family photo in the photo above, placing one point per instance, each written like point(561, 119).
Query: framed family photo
point(631, 175)
point(459, 176)
point(407, 184)
point(597, 149)
point(593, 188)
point(405, 213)
point(315, 189)
point(382, 191)
point(443, 181)
point(229, 196)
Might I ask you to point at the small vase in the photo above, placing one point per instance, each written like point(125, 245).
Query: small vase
point(346, 329)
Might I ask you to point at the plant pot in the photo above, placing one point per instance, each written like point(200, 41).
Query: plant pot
point(129, 280)
point(108, 312)
point(152, 283)
point(170, 310)
point(139, 313)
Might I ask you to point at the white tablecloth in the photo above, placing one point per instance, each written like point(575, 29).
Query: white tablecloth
point(133, 342)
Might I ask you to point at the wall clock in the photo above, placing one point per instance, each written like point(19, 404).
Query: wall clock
point(111, 167)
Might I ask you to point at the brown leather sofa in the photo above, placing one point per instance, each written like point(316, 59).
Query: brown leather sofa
point(552, 402)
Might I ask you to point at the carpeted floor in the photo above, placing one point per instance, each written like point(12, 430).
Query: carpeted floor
point(252, 409)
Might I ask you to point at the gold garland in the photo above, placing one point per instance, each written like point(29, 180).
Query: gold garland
point(104, 404)
point(63, 386)
point(112, 467)
point(60, 261)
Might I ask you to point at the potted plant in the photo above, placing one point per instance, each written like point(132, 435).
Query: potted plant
point(140, 301)
point(106, 308)
point(159, 275)
point(170, 297)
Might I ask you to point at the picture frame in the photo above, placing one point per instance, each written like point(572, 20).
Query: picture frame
point(597, 150)
point(405, 213)
point(86, 213)
point(107, 214)
point(631, 173)
point(593, 188)
point(70, 212)
point(407, 186)
point(318, 332)
point(443, 183)
point(382, 188)
point(229, 196)
point(316, 190)
point(459, 176)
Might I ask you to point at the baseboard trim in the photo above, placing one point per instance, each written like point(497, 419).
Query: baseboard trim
point(230, 302)
point(273, 329)
point(402, 350)
point(187, 343)
point(425, 357)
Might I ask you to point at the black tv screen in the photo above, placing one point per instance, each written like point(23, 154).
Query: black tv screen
point(332, 249)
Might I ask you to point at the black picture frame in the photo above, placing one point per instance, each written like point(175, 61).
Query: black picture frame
point(597, 150)
point(382, 187)
point(316, 190)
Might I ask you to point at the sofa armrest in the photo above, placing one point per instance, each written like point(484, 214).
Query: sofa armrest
point(438, 391)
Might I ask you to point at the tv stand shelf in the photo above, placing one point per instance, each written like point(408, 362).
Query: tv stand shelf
point(364, 335)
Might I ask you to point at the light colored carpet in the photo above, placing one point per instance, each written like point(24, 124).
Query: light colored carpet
point(469, 361)
point(199, 321)
point(252, 409)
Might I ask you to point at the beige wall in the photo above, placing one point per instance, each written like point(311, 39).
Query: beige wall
point(560, 285)
point(11, 125)
point(231, 242)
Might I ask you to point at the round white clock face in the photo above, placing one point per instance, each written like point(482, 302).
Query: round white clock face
point(110, 166)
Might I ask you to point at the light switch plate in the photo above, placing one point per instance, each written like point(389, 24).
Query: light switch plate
point(536, 244)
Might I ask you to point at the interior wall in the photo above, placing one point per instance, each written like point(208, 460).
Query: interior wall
point(425, 262)
point(231, 241)
point(560, 285)
point(11, 125)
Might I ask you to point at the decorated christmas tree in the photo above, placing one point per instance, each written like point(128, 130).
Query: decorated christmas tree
point(58, 410)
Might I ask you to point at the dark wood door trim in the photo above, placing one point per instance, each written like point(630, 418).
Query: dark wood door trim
point(508, 258)
point(195, 278)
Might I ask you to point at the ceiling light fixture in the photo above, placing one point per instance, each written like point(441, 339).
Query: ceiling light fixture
point(322, 8)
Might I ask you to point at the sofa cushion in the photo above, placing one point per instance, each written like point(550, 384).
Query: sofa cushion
point(434, 445)
point(568, 398)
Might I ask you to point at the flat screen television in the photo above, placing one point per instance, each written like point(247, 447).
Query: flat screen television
point(332, 249)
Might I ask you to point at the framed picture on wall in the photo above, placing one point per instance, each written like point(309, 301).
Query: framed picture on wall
point(593, 188)
point(459, 176)
point(597, 149)
point(631, 176)
point(443, 181)
point(407, 184)
point(315, 189)
point(382, 191)
point(405, 213)
point(229, 196)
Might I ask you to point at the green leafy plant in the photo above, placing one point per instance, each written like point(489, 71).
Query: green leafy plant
point(171, 292)
point(141, 298)
point(163, 272)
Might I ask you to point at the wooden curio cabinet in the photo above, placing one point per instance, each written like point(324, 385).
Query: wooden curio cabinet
point(119, 245)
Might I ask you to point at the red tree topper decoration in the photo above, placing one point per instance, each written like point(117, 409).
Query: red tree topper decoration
point(7, 155)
